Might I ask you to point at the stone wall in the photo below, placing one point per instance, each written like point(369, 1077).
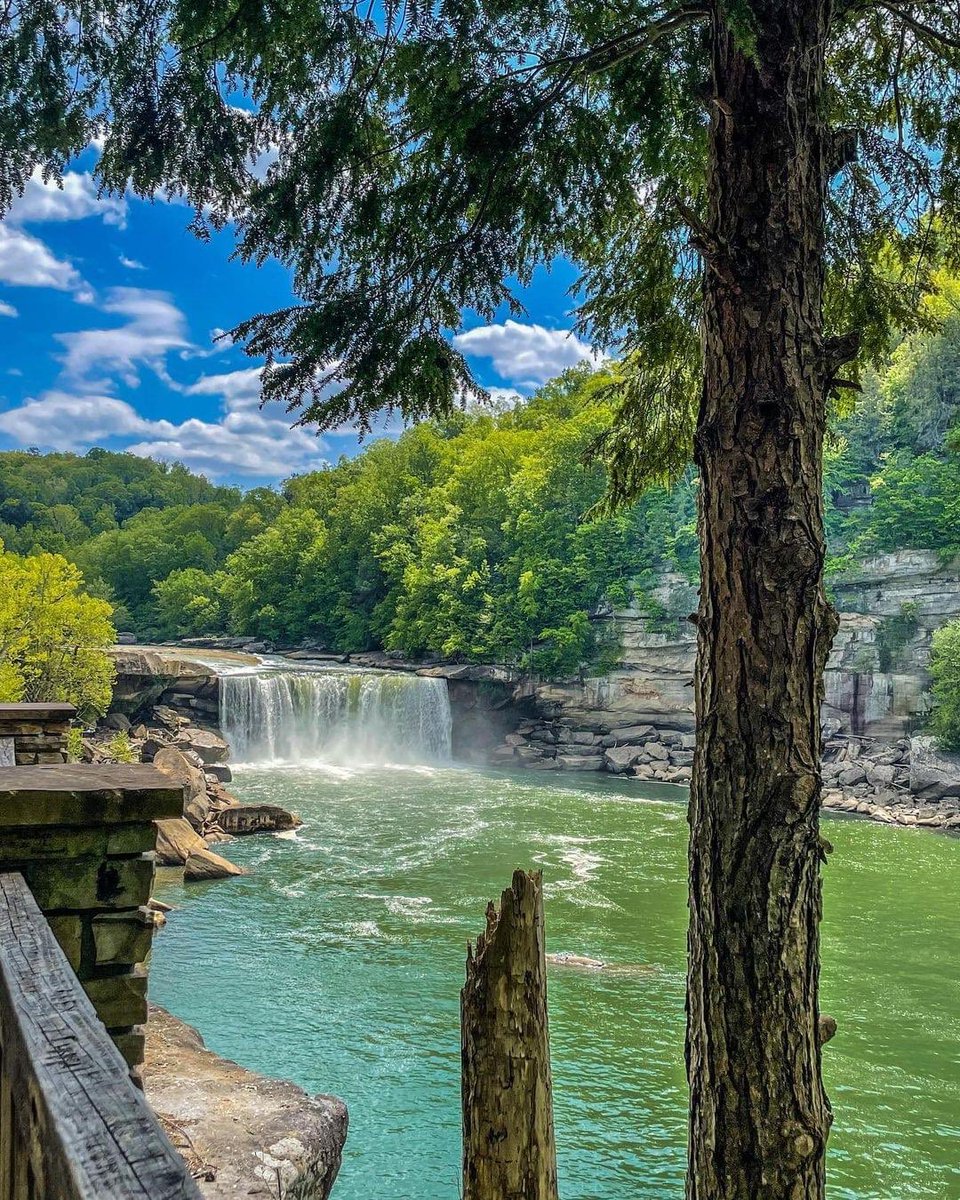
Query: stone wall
point(83, 838)
point(34, 733)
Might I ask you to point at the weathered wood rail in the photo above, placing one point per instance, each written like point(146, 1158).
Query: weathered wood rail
point(73, 1126)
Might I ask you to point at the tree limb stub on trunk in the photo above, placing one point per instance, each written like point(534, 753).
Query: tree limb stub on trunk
point(509, 1151)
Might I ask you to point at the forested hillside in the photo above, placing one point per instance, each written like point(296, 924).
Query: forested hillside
point(476, 538)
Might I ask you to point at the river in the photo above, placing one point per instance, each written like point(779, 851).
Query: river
point(338, 961)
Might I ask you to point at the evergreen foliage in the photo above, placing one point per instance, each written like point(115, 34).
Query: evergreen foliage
point(422, 156)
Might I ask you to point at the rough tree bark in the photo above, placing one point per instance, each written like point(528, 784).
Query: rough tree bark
point(759, 1116)
point(508, 1142)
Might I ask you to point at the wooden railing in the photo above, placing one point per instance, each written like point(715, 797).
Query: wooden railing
point(73, 1126)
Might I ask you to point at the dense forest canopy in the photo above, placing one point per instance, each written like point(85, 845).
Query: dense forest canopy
point(476, 537)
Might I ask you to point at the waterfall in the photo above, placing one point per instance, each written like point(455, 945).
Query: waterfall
point(339, 717)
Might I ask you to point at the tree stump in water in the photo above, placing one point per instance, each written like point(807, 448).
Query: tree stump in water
point(509, 1152)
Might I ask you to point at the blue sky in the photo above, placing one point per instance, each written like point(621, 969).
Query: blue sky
point(108, 314)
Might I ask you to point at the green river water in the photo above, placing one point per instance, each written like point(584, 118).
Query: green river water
point(338, 961)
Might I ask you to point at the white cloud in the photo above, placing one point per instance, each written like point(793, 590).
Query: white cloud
point(154, 327)
point(7, 310)
point(62, 421)
point(26, 262)
point(74, 198)
point(245, 441)
point(526, 355)
point(131, 263)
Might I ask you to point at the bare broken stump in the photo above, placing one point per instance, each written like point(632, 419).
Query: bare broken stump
point(509, 1149)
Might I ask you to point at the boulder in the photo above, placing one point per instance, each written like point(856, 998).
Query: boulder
point(210, 747)
point(881, 776)
point(934, 773)
point(116, 720)
point(257, 818)
point(166, 718)
point(631, 734)
point(126, 639)
point(620, 759)
point(204, 864)
point(153, 743)
point(656, 751)
point(176, 841)
point(580, 762)
point(851, 776)
point(173, 763)
point(220, 771)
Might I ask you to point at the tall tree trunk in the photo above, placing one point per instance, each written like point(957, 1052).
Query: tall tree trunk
point(759, 1116)
point(508, 1142)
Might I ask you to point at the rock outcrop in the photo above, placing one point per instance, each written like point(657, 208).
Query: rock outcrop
point(241, 1134)
point(934, 774)
point(242, 819)
point(145, 676)
point(202, 864)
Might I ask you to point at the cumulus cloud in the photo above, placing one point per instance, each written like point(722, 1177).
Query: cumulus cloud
point(61, 421)
point(153, 327)
point(72, 199)
point(131, 263)
point(26, 262)
point(245, 441)
point(526, 355)
point(7, 310)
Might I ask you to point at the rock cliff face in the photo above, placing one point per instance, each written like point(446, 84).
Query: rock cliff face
point(878, 676)
point(638, 719)
point(877, 679)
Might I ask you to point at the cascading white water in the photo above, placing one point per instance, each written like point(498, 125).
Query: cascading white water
point(339, 717)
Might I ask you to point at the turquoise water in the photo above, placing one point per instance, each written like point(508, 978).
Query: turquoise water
point(338, 962)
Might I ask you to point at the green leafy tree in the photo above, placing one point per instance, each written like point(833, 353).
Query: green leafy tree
point(729, 176)
point(187, 604)
point(945, 668)
point(52, 635)
point(270, 583)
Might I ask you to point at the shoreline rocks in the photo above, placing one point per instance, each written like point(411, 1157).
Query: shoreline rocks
point(242, 1134)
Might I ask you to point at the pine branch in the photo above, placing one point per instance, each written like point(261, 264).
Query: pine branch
point(928, 33)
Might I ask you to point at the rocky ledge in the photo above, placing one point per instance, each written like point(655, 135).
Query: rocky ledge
point(642, 751)
point(241, 1134)
point(904, 782)
point(184, 745)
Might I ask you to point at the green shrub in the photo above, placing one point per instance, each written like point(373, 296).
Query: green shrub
point(120, 750)
point(74, 743)
point(945, 668)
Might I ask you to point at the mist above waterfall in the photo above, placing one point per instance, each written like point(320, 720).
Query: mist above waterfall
point(338, 717)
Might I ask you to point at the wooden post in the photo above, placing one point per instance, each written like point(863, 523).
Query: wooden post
point(509, 1152)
